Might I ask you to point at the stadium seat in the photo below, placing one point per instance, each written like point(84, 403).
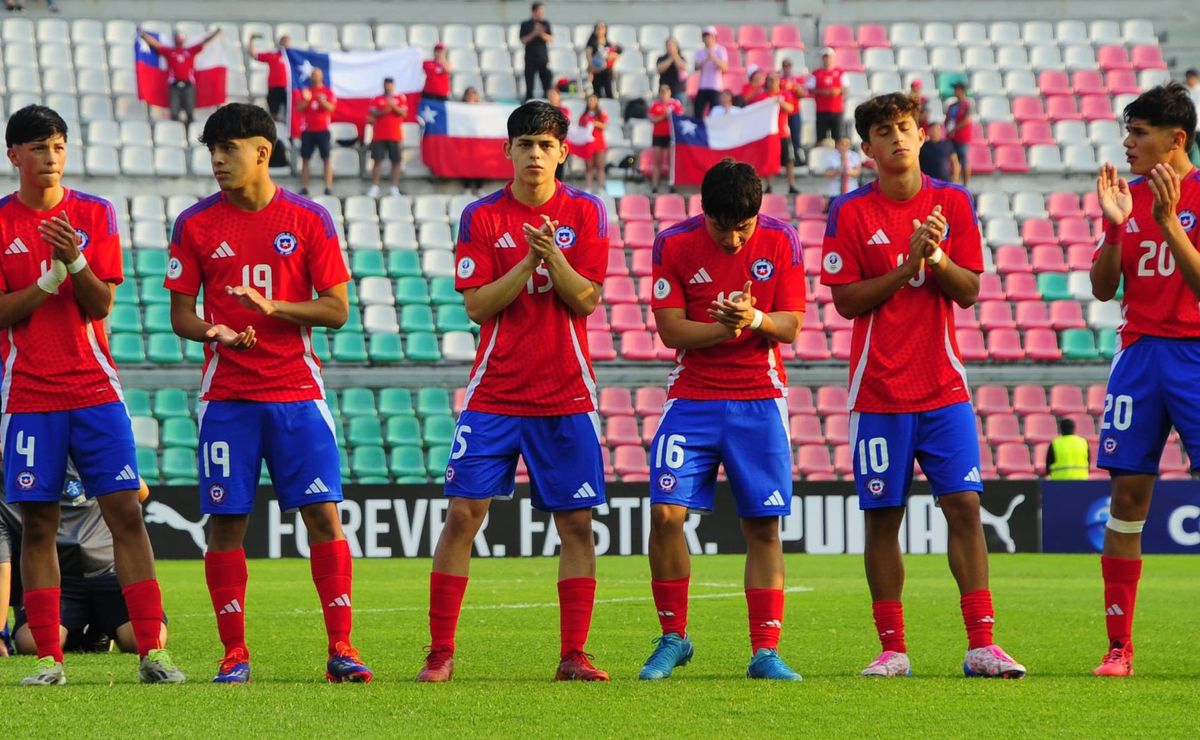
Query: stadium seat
point(813, 462)
point(786, 36)
point(1009, 159)
point(406, 462)
point(837, 429)
point(349, 346)
point(621, 430)
point(1005, 345)
point(1042, 345)
point(1053, 286)
point(630, 460)
point(423, 347)
point(385, 348)
point(871, 35)
point(637, 346)
point(971, 344)
point(1020, 287)
point(811, 346)
point(1079, 344)
point(1067, 315)
point(601, 347)
point(996, 315)
point(992, 399)
point(1032, 314)
point(1029, 399)
point(1047, 258)
point(1003, 428)
point(1148, 56)
point(1013, 459)
point(831, 399)
point(1011, 259)
point(805, 429)
point(369, 462)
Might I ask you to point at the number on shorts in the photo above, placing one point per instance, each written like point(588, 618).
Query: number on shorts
point(25, 447)
point(1166, 260)
point(1122, 412)
point(259, 277)
point(872, 455)
point(460, 441)
point(215, 454)
point(670, 447)
point(917, 280)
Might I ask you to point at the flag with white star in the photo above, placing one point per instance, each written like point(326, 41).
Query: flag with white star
point(749, 134)
point(356, 79)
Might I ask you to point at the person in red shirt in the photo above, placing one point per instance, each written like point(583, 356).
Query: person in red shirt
point(260, 254)
point(437, 75)
point(181, 72)
point(959, 123)
point(315, 105)
point(530, 261)
point(387, 116)
point(797, 85)
point(554, 97)
point(595, 152)
point(899, 254)
point(1150, 243)
point(61, 396)
point(277, 73)
point(755, 82)
point(729, 289)
point(787, 106)
point(828, 87)
point(660, 114)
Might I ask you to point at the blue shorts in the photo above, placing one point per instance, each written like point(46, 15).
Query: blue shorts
point(566, 469)
point(1151, 387)
point(99, 439)
point(883, 447)
point(750, 437)
point(296, 439)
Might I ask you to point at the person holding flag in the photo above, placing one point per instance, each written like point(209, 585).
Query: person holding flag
point(181, 71)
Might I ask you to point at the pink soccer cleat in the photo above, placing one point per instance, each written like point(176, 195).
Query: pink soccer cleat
point(992, 662)
point(1118, 662)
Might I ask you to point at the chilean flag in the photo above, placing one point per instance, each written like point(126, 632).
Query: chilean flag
point(356, 79)
point(152, 73)
point(465, 140)
point(749, 135)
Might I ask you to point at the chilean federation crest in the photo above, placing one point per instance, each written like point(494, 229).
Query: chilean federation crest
point(286, 243)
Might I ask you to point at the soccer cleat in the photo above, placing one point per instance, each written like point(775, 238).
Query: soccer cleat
point(345, 665)
point(158, 667)
point(49, 673)
point(766, 663)
point(889, 664)
point(234, 667)
point(991, 662)
point(672, 652)
point(577, 666)
point(438, 668)
point(1118, 662)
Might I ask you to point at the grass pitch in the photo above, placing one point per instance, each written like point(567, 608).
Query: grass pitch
point(1048, 611)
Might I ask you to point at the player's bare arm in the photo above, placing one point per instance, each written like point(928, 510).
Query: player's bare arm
point(679, 332)
point(188, 325)
point(579, 293)
point(486, 301)
point(855, 299)
point(94, 295)
point(739, 312)
point(329, 309)
point(1165, 183)
point(1116, 203)
point(960, 284)
point(19, 304)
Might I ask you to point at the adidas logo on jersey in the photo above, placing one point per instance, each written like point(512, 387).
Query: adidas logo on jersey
point(973, 476)
point(232, 607)
point(700, 277)
point(879, 238)
point(17, 247)
point(222, 251)
point(505, 242)
point(343, 600)
point(127, 474)
point(585, 491)
point(1114, 611)
point(1131, 227)
point(775, 499)
point(317, 486)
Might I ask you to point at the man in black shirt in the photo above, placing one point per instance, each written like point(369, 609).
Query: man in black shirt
point(672, 69)
point(938, 159)
point(536, 36)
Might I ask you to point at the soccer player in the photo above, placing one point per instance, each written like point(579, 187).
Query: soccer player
point(61, 395)
point(260, 253)
point(531, 258)
point(1150, 239)
point(728, 289)
point(897, 254)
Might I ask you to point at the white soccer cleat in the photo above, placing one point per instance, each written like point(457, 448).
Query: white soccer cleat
point(992, 662)
point(889, 664)
point(49, 673)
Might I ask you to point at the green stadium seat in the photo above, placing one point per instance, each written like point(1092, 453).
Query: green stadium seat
point(151, 263)
point(433, 402)
point(364, 431)
point(1120, 290)
point(358, 402)
point(352, 292)
point(178, 433)
point(193, 351)
point(395, 402)
point(385, 348)
point(127, 349)
point(264, 475)
point(368, 461)
point(152, 292)
point(127, 261)
point(349, 347)
point(367, 263)
point(412, 480)
point(946, 81)
point(320, 344)
point(414, 318)
point(165, 349)
point(410, 290)
point(1053, 286)
point(1079, 344)
point(442, 292)
point(345, 464)
point(179, 462)
point(1106, 343)
point(137, 400)
point(353, 320)
point(158, 319)
point(453, 317)
point(125, 319)
point(407, 462)
point(339, 426)
point(172, 403)
point(403, 430)
point(127, 292)
point(333, 401)
point(374, 480)
point(403, 263)
point(439, 430)
point(436, 459)
point(147, 461)
point(423, 347)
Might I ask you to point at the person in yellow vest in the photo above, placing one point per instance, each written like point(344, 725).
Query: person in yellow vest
point(1067, 456)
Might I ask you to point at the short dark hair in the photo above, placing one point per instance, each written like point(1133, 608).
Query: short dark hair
point(730, 193)
point(1192, 72)
point(1165, 106)
point(386, 80)
point(238, 121)
point(1066, 426)
point(34, 123)
point(537, 117)
point(883, 109)
point(539, 4)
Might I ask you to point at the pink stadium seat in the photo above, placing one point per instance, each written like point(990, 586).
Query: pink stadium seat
point(831, 399)
point(693, 205)
point(1048, 258)
point(1112, 57)
point(634, 208)
point(725, 36)
point(619, 290)
point(970, 344)
point(1011, 259)
point(1121, 82)
point(987, 467)
point(838, 35)
point(1085, 426)
point(1002, 428)
point(1075, 230)
point(598, 320)
point(600, 345)
point(1095, 399)
point(1030, 399)
point(1172, 460)
point(1013, 459)
point(460, 399)
point(616, 264)
point(1087, 82)
point(1002, 132)
point(637, 346)
point(848, 59)
point(1148, 56)
point(639, 234)
point(627, 317)
point(840, 341)
point(761, 58)
point(812, 313)
point(811, 346)
point(1063, 205)
point(645, 288)
point(1091, 205)
point(1039, 457)
point(1005, 345)
point(661, 351)
point(753, 36)
point(1040, 428)
point(670, 207)
point(1042, 344)
point(812, 234)
point(775, 205)
point(1032, 314)
point(649, 400)
point(833, 320)
point(1079, 257)
point(787, 352)
point(1021, 287)
point(1026, 108)
point(992, 399)
point(837, 429)
point(641, 262)
point(980, 158)
point(812, 256)
point(1054, 82)
point(737, 70)
point(630, 460)
point(800, 400)
point(810, 206)
point(843, 461)
point(649, 427)
point(1037, 131)
point(1062, 108)
point(872, 36)
point(786, 36)
point(622, 430)
point(1037, 231)
point(989, 287)
point(1066, 399)
point(813, 460)
point(964, 318)
point(806, 430)
point(996, 315)
point(523, 470)
point(1011, 159)
point(1067, 315)
point(821, 294)
point(1096, 107)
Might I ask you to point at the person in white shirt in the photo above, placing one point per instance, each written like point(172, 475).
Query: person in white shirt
point(725, 108)
point(841, 167)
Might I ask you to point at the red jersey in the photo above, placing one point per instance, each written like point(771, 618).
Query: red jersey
point(830, 79)
point(533, 357)
point(315, 117)
point(287, 251)
point(957, 124)
point(1158, 301)
point(277, 71)
point(796, 85)
point(784, 97)
point(181, 63)
point(57, 358)
point(904, 356)
point(662, 108)
point(598, 143)
point(691, 271)
point(437, 79)
point(388, 126)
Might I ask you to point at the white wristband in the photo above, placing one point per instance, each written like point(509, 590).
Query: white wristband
point(936, 257)
point(757, 320)
point(77, 264)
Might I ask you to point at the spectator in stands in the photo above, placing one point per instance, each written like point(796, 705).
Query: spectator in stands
point(725, 108)
point(672, 69)
point(536, 36)
point(1067, 457)
point(181, 72)
point(315, 105)
point(755, 84)
point(922, 100)
point(437, 75)
point(660, 115)
point(958, 128)
point(277, 73)
point(828, 86)
point(594, 154)
point(471, 95)
point(796, 84)
point(554, 97)
point(712, 62)
point(601, 55)
point(938, 158)
point(787, 105)
point(1192, 80)
point(387, 115)
point(841, 166)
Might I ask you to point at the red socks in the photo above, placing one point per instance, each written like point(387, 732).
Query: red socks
point(331, 572)
point(889, 623)
point(445, 604)
point(576, 597)
point(42, 616)
point(226, 575)
point(1120, 592)
point(978, 617)
point(143, 600)
point(671, 601)
point(765, 606)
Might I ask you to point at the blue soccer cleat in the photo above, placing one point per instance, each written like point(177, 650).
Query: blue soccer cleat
point(345, 665)
point(766, 663)
point(672, 651)
point(234, 667)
